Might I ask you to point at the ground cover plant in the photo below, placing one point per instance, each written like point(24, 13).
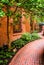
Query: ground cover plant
point(5, 55)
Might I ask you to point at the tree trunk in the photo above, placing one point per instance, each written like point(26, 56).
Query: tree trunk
point(31, 23)
point(8, 38)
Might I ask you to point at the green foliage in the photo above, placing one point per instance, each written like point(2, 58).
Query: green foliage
point(17, 17)
point(8, 2)
point(18, 43)
point(5, 1)
point(30, 37)
point(35, 36)
point(26, 15)
point(25, 38)
point(5, 62)
point(35, 7)
point(2, 13)
point(1, 61)
point(17, 14)
point(9, 13)
point(5, 55)
point(1, 5)
point(18, 4)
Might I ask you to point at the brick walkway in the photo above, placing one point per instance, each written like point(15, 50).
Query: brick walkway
point(30, 54)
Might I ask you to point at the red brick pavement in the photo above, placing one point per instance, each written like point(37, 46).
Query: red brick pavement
point(30, 54)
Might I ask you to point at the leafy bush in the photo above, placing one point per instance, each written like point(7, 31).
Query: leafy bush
point(1, 61)
point(35, 36)
point(26, 37)
point(5, 55)
point(18, 43)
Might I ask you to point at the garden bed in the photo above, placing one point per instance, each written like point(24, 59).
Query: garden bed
point(6, 55)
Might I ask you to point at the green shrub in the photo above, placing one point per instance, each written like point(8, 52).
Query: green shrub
point(26, 37)
point(5, 62)
point(35, 36)
point(18, 43)
point(1, 61)
point(5, 55)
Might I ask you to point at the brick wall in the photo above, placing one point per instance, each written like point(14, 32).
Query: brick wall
point(3, 31)
point(25, 25)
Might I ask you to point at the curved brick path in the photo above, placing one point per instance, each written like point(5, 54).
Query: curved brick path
point(30, 54)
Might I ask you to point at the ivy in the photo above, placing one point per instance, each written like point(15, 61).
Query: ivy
point(2, 13)
point(18, 4)
point(5, 1)
point(33, 6)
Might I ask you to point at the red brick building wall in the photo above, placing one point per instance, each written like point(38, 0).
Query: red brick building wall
point(3, 30)
point(25, 26)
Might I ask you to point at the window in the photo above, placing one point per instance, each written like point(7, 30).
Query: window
point(17, 22)
point(17, 27)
